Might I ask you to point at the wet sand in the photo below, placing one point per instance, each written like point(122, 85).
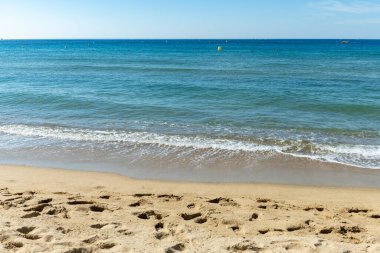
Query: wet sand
point(50, 210)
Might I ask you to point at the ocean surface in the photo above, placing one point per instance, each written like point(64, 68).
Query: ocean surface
point(179, 109)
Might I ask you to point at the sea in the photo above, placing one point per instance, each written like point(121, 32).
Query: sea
point(250, 111)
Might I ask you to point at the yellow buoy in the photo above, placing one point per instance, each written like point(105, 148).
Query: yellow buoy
point(219, 49)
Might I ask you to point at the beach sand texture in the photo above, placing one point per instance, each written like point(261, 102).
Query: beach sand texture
point(48, 210)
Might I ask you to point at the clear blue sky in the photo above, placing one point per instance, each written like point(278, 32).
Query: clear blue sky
point(189, 19)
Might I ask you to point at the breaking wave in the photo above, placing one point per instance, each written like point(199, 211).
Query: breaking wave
point(367, 156)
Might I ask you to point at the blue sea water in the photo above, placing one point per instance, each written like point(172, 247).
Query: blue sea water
point(181, 104)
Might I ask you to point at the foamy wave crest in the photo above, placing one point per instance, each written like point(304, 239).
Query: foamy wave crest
point(74, 134)
point(356, 155)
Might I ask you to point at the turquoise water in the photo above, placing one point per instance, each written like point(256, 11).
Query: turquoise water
point(135, 104)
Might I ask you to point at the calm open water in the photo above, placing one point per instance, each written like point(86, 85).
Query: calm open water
point(179, 106)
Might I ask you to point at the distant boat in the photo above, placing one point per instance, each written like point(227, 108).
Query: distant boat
point(344, 42)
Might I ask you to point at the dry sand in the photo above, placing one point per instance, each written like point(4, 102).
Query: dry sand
point(48, 210)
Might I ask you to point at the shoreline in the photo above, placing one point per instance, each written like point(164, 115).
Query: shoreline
point(294, 172)
point(68, 210)
point(45, 169)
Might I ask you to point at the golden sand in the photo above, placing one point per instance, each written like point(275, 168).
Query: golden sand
point(49, 210)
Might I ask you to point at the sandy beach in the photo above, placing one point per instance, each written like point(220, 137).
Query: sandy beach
point(51, 210)
point(190, 126)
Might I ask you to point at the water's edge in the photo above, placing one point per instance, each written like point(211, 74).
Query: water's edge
point(289, 111)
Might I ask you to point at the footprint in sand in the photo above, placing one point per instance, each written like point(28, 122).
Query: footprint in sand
point(79, 250)
point(161, 235)
point(141, 202)
point(187, 216)
point(140, 195)
point(298, 247)
point(325, 231)
point(125, 232)
point(38, 208)
point(191, 206)
point(57, 210)
point(294, 228)
point(29, 193)
point(200, 220)
point(12, 199)
point(196, 216)
point(25, 230)
point(91, 240)
point(99, 226)
point(357, 210)
point(318, 208)
point(254, 216)
point(25, 233)
point(244, 246)
point(263, 231)
point(159, 226)
point(45, 201)
point(261, 200)
point(177, 247)
point(32, 237)
point(167, 197)
point(63, 230)
point(354, 229)
point(60, 193)
point(106, 245)
point(31, 215)
point(235, 228)
point(223, 201)
point(80, 202)
point(308, 222)
point(97, 208)
point(13, 245)
point(148, 214)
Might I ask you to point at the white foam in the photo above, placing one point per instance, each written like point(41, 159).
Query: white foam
point(74, 134)
point(368, 151)
point(356, 155)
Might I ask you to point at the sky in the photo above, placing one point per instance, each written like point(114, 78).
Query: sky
point(187, 19)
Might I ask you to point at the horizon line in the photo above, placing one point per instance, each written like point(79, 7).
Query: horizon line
point(3, 39)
